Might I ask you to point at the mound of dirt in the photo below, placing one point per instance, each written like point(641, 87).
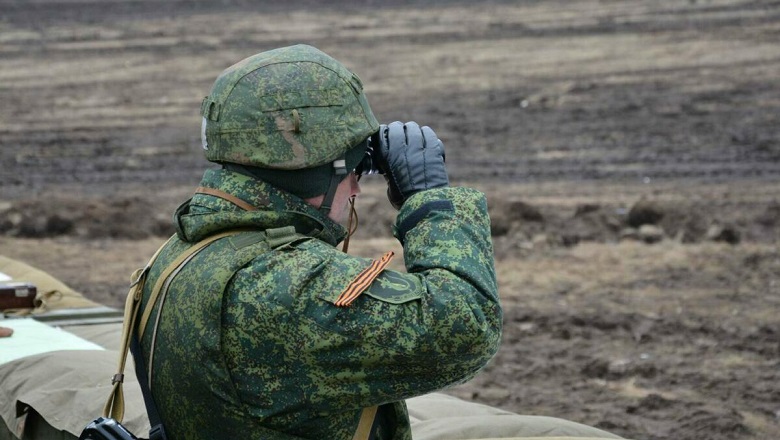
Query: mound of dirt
point(518, 224)
point(129, 218)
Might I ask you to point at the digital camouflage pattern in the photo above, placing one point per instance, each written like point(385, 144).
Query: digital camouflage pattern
point(288, 108)
point(251, 345)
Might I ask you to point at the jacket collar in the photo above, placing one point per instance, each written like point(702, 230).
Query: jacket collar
point(207, 214)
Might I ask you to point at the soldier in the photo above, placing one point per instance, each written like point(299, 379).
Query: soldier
point(270, 331)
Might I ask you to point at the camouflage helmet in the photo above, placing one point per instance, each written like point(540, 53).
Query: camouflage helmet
point(290, 108)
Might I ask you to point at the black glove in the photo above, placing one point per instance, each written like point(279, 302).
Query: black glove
point(413, 160)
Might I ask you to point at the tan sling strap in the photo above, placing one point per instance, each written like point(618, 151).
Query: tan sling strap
point(225, 196)
point(365, 423)
point(186, 255)
point(115, 405)
point(160, 291)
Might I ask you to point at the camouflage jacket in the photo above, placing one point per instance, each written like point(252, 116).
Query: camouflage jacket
point(250, 345)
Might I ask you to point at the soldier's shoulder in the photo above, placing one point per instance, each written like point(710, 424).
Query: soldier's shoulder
point(307, 256)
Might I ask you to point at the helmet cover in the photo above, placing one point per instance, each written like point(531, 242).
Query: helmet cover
point(285, 109)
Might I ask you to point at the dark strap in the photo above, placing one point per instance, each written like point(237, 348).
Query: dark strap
point(157, 431)
point(339, 171)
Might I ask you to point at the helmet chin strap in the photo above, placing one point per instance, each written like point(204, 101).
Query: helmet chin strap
point(339, 171)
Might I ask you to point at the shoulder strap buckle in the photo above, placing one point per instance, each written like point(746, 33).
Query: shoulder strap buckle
point(278, 237)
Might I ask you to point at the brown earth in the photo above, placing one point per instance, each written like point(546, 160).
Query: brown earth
point(629, 151)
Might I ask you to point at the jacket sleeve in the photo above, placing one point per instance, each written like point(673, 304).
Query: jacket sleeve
point(434, 326)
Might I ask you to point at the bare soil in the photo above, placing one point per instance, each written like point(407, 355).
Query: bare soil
point(629, 151)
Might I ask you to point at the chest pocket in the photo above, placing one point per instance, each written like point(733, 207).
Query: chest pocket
point(391, 304)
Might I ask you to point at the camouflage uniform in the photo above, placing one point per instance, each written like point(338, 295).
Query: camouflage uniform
point(250, 344)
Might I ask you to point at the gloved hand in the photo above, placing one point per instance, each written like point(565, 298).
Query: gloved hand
point(412, 159)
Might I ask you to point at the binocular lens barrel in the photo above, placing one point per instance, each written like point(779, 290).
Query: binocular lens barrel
point(370, 162)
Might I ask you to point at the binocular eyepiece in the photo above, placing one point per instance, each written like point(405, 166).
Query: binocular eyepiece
point(370, 163)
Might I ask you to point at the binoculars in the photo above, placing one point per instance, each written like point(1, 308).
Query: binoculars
point(104, 428)
point(370, 164)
